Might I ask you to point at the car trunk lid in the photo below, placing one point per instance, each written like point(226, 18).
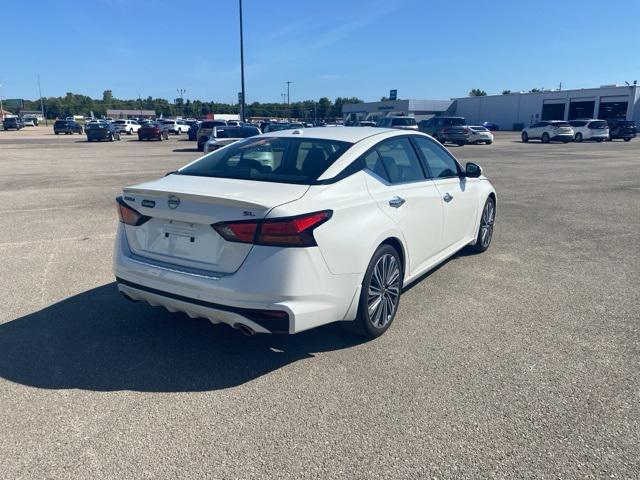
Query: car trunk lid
point(183, 208)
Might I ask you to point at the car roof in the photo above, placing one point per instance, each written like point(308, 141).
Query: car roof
point(342, 134)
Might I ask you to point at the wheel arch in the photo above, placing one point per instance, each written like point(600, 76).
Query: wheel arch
point(396, 243)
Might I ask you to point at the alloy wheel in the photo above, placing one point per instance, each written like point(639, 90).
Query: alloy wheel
point(384, 291)
point(486, 224)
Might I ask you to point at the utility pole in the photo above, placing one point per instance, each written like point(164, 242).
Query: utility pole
point(288, 100)
point(1, 109)
point(41, 102)
point(181, 92)
point(242, 117)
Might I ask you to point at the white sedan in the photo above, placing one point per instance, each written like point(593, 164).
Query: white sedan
point(289, 230)
point(223, 136)
point(479, 134)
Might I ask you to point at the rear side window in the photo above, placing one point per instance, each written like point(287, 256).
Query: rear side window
point(598, 124)
point(441, 164)
point(403, 122)
point(400, 161)
point(578, 123)
point(272, 159)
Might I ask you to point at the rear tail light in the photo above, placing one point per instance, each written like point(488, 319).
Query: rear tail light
point(285, 232)
point(128, 215)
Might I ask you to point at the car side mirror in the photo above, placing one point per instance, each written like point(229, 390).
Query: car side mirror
point(472, 170)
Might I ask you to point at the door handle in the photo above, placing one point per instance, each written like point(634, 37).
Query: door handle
point(447, 197)
point(396, 202)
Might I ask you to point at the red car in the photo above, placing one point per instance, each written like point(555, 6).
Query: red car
point(155, 131)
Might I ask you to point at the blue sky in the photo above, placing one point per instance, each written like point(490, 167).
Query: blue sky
point(425, 49)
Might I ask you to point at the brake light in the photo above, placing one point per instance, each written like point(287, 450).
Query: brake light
point(286, 232)
point(128, 215)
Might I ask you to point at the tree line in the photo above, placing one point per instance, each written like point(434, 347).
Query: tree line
point(75, 104)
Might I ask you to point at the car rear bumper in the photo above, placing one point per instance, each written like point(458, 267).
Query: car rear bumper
point(98, 135)
point(455, 137)
point(291, 280)
point(562, 138)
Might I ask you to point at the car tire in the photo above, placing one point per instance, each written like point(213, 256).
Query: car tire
point(56, 133)
point(578, 138)
point(460, 144)
point(110, 137)
point(160, 137)
point(489, 142)
point(627, 139)
point(485, 229)
point(525, 137)
point(545, 138)
point(384, 274)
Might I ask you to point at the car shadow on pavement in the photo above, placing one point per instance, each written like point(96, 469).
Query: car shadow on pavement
point(99, 341)
point(181, 150)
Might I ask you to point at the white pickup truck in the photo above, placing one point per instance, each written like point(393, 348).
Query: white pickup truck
point(175, 126)
point(127, 126)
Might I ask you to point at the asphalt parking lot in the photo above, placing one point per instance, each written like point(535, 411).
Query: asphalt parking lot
point(522, 362)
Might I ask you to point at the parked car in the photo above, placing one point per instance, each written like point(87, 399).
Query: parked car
point(403, 123)
point(365, 123)
point(621, 128)
point(127, 126)
point(491, 126)
point(234, 123)
point(153, 131)
point(102, 131)
point(549, 131)
point(276, 233)
point(277, 127)
point(590, 129)
point(479, 134)
point(12, 123)
point(222, 136)
point(296, 125)
point(29, 122)
point(68, 127)
point(205, 130)
point(446, 129)
point(175, 126)
point(30, 118)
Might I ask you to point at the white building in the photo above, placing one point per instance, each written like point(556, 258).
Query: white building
point(420, 109)
point(517, 110)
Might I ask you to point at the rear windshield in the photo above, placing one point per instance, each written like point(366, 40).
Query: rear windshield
point(560, 124)
point(236, 132)
point(270, 159)
point(403, 122)
point(60, 122)
point(453, 121)
point(168, 122)
point(121, 122)
point(479, 129)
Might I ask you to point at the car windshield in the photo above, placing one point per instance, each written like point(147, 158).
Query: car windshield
point(403, 122)
point(270, 159)
point(121, 122)
point(168, 122)
point(237, 132)
point(274, 127)
point(454, 121)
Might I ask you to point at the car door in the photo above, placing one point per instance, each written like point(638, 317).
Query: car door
point(399, 185)
point(458, 194)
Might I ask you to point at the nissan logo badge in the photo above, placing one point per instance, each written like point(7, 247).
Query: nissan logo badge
point(173, 202)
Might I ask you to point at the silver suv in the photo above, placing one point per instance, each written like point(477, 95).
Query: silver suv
point(447, 129)
point(204, 132)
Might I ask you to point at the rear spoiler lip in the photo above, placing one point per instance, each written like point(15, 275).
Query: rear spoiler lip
point(203, 198)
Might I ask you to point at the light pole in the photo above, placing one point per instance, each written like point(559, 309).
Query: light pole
point(241, 65)
point(288, 100)
point(1, 109)
point(41, 102)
